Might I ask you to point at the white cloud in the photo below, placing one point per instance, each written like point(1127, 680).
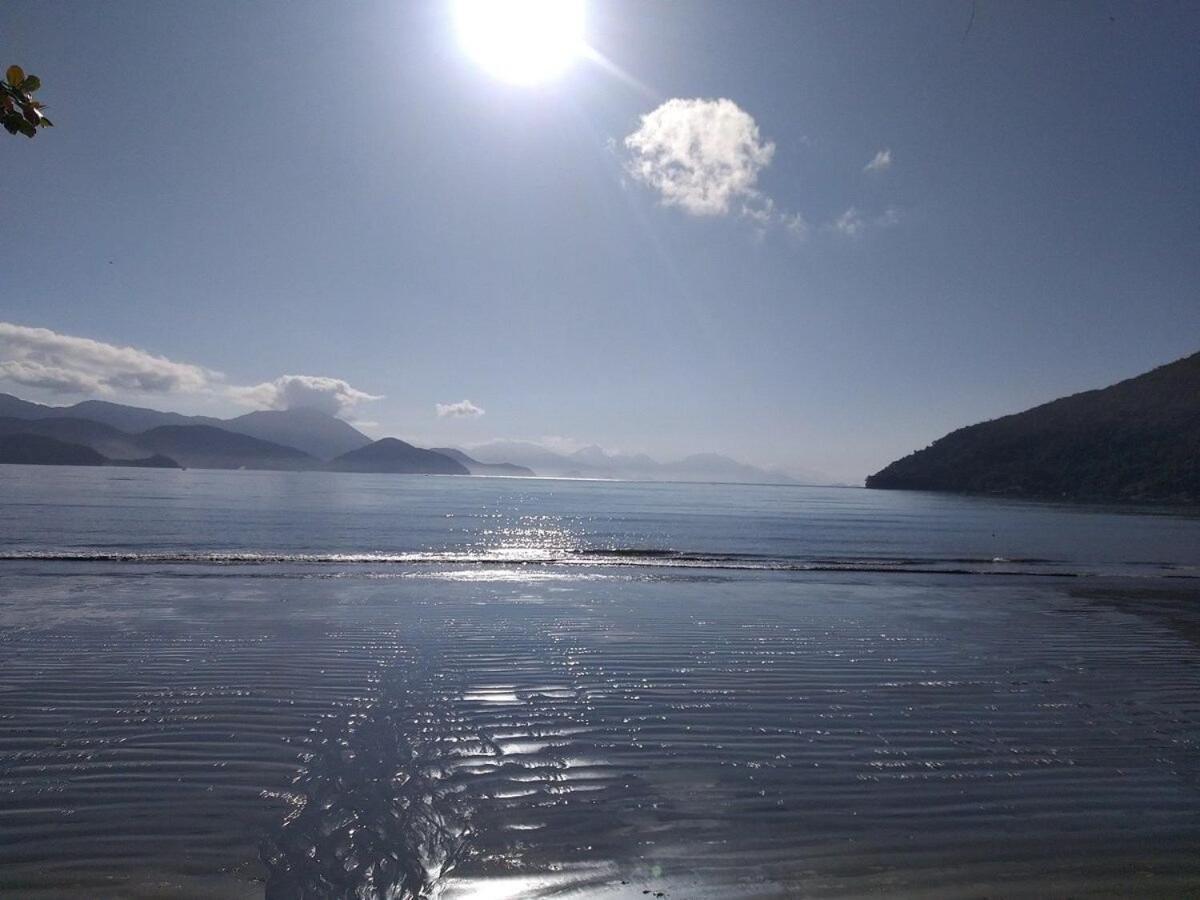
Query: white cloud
point(796, 225)
point(464, 409)
point(41, 358)
point(853, 224)
point(332, 396)
point(881, 162)
point(703, 156)
point(65, 364)
point(850, 223)
point(560, 444)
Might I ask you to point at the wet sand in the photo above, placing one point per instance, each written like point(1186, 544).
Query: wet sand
point(207, 731)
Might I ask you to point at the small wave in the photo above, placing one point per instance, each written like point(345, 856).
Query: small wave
point(640, 557)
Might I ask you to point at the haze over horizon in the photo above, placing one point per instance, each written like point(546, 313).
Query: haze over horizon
point(781, 235)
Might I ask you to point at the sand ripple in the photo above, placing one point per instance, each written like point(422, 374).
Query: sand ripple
point(162, 734)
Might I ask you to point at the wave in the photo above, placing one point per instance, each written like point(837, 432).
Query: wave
point(639, 557)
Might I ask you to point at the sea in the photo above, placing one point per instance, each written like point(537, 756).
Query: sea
point(303, 684)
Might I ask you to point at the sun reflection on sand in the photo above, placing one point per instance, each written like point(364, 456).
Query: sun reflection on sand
point(509, 887)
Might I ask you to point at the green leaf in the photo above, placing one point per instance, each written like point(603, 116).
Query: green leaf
point(15, 75)
point(31, 84)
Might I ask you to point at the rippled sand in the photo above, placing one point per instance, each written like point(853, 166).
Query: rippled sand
point(511, 732)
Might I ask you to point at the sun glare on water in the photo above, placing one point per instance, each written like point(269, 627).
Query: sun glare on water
point(521, 41)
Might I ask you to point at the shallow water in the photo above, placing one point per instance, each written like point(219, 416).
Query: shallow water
point(432, 717)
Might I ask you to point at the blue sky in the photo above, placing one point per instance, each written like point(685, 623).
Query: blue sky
point(278, 188)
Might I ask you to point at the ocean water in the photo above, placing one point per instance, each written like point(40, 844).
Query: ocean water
point(221, 684)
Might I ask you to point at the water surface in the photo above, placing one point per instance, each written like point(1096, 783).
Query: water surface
point(298, 684)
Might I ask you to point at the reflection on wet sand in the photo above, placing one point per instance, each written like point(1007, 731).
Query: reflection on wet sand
point(213, 733)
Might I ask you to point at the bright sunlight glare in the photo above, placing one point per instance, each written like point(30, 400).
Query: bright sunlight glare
point(521, 41)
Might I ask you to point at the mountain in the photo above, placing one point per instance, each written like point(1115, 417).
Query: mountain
point(715, 467)
point(24, 409)
point(133, 419)
point(316, 433)
point(207, 447)
point(1138, 440)
point(29, 448)
point(303, 438)
point(104, 439)
point(475, 467)
point(595, 462)
point(39, 450)
point(522, 453)
point(394, 456)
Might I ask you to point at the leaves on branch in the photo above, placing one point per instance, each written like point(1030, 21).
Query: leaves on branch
point(19, 112)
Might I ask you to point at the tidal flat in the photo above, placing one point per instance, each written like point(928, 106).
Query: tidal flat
point(203, 730)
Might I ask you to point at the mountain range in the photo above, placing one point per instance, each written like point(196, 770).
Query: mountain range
point(595, 462)
point(1137, 440)
point(304, 439)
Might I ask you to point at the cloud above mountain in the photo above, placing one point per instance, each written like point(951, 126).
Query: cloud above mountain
point(332, 396)
point(66, 364)
point(463, 409)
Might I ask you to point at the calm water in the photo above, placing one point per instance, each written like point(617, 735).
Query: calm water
point(234, 683)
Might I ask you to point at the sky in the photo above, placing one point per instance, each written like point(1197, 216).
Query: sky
point(809, 235)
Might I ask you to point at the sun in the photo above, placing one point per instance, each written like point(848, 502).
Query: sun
point(521, 41)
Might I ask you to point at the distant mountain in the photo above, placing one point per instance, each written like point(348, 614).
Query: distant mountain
point(529, 455)
point(104, 439)
point(390, 455)
point(24, 409)
point(37, 449)
point(27, 448)
point(304, 438)
point(316, 433)
point(1138, 440)
point(475, 467)
point(595, 462)
point(132, 419)
point(157, 461)
point(207, 447)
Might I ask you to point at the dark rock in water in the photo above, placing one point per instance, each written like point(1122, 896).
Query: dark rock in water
point(39, 450)
point(1138, 440)
point(393, 456)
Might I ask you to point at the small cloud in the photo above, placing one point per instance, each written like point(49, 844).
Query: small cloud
point(560, 443)
point(62, 363)
point(853, 224)
point(702, 156)
point(464, 409)
point(796, 225)
point(888, 218)
point(881, 163)
point(850, 223)
point(332, 396)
